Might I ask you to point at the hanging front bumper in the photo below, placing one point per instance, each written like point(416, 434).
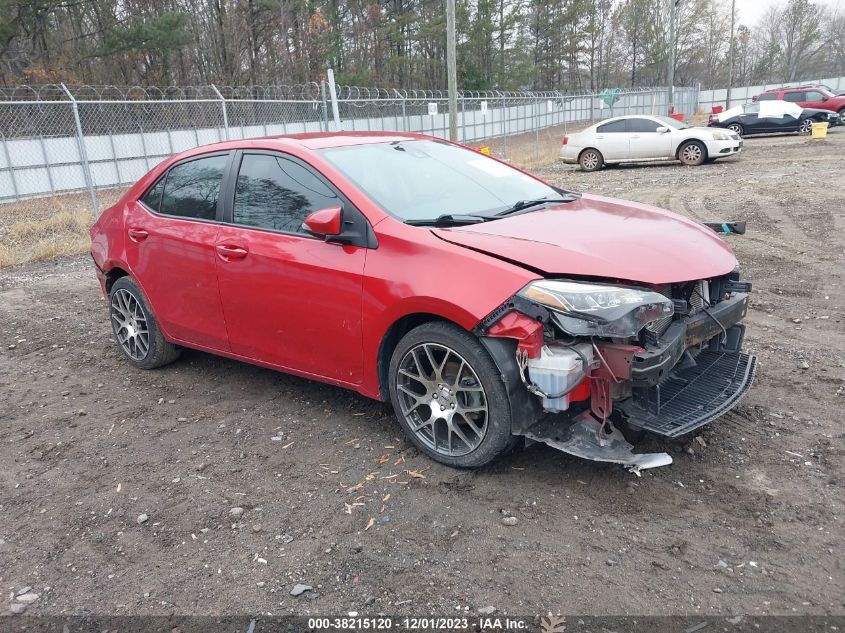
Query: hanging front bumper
point(693, 395)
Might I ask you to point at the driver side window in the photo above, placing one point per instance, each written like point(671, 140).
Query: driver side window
point(277, 194)
point(642, 125)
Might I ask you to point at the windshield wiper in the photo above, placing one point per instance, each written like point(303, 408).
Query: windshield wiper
point(521, 205)
point(448, 219)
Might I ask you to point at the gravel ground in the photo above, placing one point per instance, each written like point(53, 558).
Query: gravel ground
point(214, 487)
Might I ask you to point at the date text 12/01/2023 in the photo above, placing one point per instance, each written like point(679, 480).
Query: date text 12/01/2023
point(357, 623)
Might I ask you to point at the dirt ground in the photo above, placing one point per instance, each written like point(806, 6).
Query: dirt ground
point(749, 520)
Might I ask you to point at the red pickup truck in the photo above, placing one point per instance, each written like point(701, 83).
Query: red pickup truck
point(808, 97)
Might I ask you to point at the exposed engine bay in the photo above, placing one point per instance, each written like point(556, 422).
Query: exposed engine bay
point(596, 361)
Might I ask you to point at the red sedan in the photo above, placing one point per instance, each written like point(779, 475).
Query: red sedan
point(487, 305)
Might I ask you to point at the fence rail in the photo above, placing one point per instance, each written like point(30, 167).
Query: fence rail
point(57, 139)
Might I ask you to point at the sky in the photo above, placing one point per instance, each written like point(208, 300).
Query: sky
point(749, 11)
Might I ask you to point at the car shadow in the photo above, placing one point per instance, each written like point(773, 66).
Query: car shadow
point(656, 164)
point(266, 392)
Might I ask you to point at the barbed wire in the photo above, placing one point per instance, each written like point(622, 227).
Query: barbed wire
point(310, 91)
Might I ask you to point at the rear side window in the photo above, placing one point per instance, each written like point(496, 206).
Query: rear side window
point(153, 196)
point(767, 96)
point(191, 189)
point(642, 125)
point(794, 97)
point(278, 194)
point(613, 126)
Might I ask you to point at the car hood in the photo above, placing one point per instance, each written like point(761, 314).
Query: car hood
point(698, 129)
point(601, 237)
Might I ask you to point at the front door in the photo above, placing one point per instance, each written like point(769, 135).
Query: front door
point(645, 141)
point(813, 99)
point(290, 299)
point(750, 119)
point(170, 238)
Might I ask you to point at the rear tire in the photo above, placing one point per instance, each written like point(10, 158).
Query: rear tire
point(692, 153)
point(591, 159)
point(135, 328)
point(737, 129)
point(449, 396)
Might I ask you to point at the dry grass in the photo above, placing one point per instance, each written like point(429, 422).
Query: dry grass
point(7, 257)
point(531, 149)
point(38, 229)
point(59, 235)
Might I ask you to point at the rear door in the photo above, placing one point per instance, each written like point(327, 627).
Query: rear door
point(644, 141)
point(290, 298)
point(171, 233)
point(612, 140)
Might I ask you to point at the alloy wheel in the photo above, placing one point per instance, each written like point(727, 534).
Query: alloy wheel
point(806, 126)
point(735, 129)
point(590, 160)
point(442, 399)
point(130, 324)
point(691, 153)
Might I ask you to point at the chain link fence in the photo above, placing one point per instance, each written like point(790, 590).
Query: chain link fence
point(67, 153)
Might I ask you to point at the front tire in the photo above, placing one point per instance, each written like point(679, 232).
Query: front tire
point(449, 397)
point(806, 126)
point(591, 160)
point(692, 153)
point(135, 328)
point(841, 114)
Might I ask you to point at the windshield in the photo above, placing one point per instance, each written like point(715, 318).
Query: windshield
point(420, 180)
point(670, 122)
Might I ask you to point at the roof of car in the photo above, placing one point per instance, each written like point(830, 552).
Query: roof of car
point(627, 116)
point(319, 140)
point(788, 88)
point(310, 141)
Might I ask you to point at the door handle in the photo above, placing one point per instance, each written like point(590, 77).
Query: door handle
point(635, 136)
point(138, 235)
point(228, 252)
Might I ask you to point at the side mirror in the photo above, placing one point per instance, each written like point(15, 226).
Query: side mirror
point(825, 98)
point(662, 130)
point(325, 222)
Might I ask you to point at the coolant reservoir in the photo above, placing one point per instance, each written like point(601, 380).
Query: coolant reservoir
point(559, 369)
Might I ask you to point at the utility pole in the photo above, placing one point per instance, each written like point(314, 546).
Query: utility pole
point(451, 70)
point(731, 57)
point(670, 74)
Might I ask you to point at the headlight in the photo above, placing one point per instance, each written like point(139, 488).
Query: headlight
point(721, 136)
point(583, 309)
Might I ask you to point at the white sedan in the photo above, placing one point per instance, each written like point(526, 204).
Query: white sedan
point(631, 139)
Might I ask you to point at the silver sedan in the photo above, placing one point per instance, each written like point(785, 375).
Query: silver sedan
point(631, 139)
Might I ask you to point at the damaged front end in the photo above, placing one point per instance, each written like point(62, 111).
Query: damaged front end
point(585, 361)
